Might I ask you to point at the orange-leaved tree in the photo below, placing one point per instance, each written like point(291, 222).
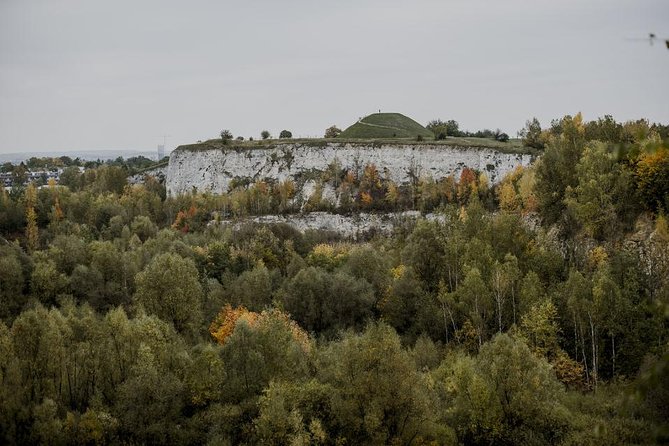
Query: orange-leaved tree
point(183, 218)
point(224, 324)
point(227, 319)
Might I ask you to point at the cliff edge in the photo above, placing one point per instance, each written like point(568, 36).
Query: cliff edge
point(207, 167)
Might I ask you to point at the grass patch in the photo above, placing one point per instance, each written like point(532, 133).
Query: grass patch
point(386, 125)
point(513, 146)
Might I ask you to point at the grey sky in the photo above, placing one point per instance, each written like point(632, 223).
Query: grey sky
point(84, 74)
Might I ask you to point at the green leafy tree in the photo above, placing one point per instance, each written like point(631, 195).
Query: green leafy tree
point(12, 283)
point(169, 288)
point(540, 329)
point(325, 302)
point(109, 178)
point(532, 136)
point(251, 289)
point(366, 262)
point(39, 347)
point(332, 132)
point(205, 376)
point(578, 293)
point(68, 251)
point(47, 283)
point(71, 177)
point(601, 186)
point(226, 135)
point(443, 129)
point(14, 390)
point(525, 389)
point(296, 413)
point(503, 283)
point(506, 395)
point(257, 353)
point(424, 253)
point(476, 298)
point(48, 427)
point(400, 305)
point(378, 396)
point(108, 261)
point(285, 134)
point(607, 130)
point(531, 292)
point(150, 402)
point(143, 227)
point(218, 259)
point(556, 171)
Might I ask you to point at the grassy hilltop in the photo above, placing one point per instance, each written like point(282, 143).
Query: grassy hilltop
point(374, 130)
point(386, 125)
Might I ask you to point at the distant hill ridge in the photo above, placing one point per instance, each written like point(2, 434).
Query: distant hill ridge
point(386, 125)
point(88, 155)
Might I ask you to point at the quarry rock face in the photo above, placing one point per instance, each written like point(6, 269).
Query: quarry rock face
point(159, 173)
point(348, 226)
point(213, 169)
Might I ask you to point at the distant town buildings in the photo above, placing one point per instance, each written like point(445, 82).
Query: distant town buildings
point(38, 176)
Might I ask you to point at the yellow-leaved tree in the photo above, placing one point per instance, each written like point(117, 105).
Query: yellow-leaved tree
point(32, 236)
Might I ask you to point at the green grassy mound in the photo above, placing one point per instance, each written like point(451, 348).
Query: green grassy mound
point(386, 125)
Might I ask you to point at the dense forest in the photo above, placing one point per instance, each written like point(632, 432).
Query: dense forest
point(534, 311)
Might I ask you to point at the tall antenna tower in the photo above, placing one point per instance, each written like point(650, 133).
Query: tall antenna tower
point(161, 148)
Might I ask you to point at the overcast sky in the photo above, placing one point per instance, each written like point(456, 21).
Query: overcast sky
point(118, 74)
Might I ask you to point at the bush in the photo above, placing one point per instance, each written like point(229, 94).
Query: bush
point(443, 129)
point(332, 132)
point(265, 134)
point(226, 135)
point(285, 134)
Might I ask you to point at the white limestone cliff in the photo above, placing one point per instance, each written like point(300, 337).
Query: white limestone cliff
point(205, 169)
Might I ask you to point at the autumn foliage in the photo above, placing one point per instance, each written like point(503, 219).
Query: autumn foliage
point(225, 322)
point(32, 237)
point(222, 327)
point(467, 184)
point(181, 222)
point(652, 178)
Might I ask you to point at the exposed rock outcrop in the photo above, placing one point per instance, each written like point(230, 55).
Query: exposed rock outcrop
point(212, 169)
point(347, 226)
